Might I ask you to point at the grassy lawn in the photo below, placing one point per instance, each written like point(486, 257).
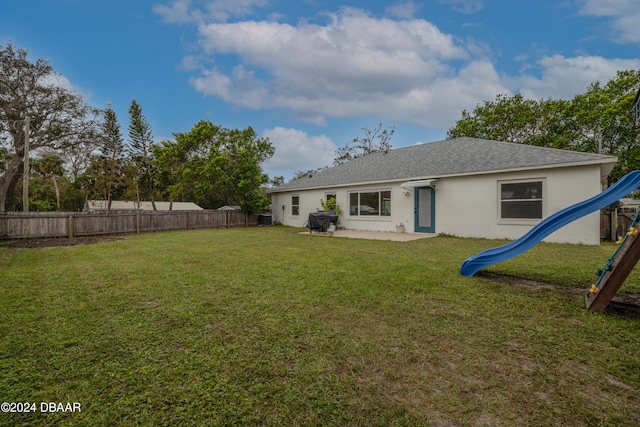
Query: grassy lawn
point(264, 326)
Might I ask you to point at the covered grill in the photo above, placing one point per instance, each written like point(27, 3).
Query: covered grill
point(321, 220)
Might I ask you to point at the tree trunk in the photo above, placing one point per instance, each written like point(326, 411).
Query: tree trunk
point(9, 180)
point(55, 186)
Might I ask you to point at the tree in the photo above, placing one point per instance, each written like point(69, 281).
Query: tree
point(181, 165)
point(599, 121)
point(276, 181)
point(5, 158)
point(512, 119)
point(59, 117)
point(239, 168)
point(307, 174)
point(51, 166)
point(112, 149)
point(72, 197)
point(78, 157)
point(214, 166)
point(141, 146)
point(603, 121)
point(374, 140)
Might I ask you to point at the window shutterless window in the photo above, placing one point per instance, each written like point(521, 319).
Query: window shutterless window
point(521, 199)
point(370, 203)
point(295, 205)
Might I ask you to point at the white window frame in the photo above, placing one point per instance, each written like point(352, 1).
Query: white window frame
point(542, 199)
point(294, 205)
point(380, 203)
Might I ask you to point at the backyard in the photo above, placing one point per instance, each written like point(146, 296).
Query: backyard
point(266, 326)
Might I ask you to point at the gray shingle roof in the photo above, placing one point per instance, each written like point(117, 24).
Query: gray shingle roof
point(451, 157)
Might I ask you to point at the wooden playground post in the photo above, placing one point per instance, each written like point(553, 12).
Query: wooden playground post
point(618, 270)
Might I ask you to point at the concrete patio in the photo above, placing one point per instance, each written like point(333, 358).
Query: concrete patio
point(373, 235)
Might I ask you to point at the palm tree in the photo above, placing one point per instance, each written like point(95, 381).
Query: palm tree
point(50, 165)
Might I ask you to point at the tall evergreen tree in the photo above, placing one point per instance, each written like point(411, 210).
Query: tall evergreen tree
point(112, 150)
point(140, 149)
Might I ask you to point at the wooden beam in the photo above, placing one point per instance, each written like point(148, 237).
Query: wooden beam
point(623, 262)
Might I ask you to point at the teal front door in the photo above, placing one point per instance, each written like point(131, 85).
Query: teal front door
point(425, 210)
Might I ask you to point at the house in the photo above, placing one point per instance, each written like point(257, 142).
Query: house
point(465, 187)
point(229, 208)
point(629, 204)
point(122, 205)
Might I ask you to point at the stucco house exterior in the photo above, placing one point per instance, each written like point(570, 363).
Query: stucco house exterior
point(466, 187)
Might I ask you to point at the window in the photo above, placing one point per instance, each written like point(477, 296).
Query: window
point(295, 205)
point(521, 200)
point(330, 196)
point(370, 203)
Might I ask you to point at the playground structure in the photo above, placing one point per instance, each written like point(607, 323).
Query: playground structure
point(619, 265)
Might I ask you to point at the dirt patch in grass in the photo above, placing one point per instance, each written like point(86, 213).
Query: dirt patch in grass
point(517, 281)
point(63, 241)
point(626, 305)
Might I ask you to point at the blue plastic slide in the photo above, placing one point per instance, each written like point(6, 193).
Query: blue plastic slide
point(623, 187)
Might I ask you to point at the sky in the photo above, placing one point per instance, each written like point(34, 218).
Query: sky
point(310, 75)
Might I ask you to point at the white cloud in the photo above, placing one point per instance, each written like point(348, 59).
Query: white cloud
point(405, 10)
point(349, 67)
point(222, 10)
point(178, 12)
point(59, 80)
point(465, 6)
point(181, 11)
point(240, 88)
point(355, 65)
point(606, 7)
point(563, 78)
point(297, 151)
point(624, 15)
point(189, 63)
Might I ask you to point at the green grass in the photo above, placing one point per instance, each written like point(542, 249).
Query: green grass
point(264, 326)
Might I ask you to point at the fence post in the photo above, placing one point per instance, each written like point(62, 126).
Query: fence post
point(227, 214)
point(138, 221)
point(246, 220)
point(70, 225)
point(188, 222)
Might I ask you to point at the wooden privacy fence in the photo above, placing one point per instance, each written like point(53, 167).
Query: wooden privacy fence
point(615, 223)
point(21, 225)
